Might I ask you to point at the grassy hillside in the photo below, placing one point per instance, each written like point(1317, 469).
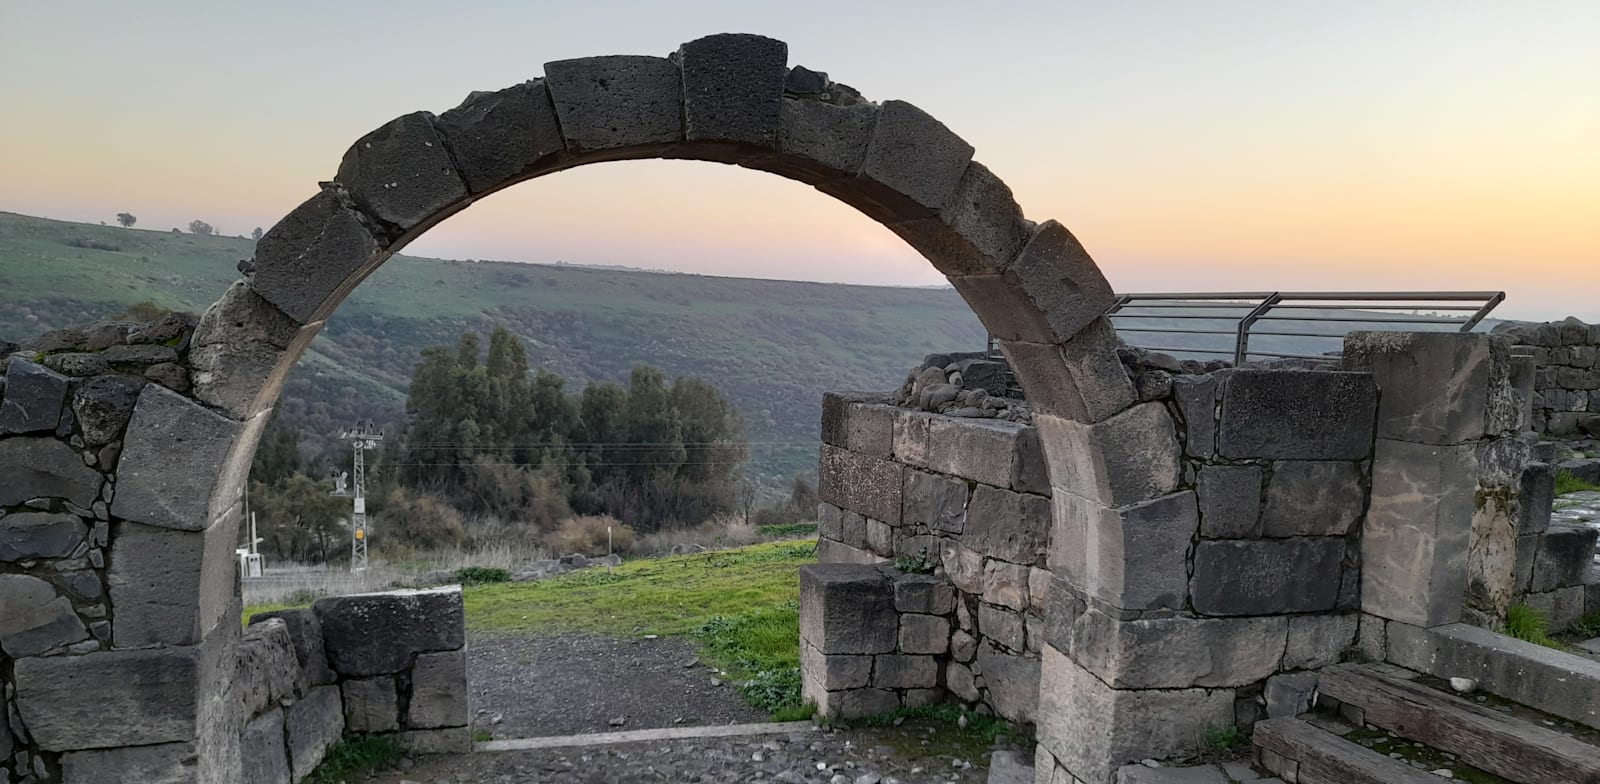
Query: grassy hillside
point(772, 346)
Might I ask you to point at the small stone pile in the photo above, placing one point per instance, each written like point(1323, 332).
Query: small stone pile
point(974, 385)
point(152, 351)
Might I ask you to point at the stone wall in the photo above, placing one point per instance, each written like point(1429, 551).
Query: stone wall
point(1567, 383)
point(1238, 575)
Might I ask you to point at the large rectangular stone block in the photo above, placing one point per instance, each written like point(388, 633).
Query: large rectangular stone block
point(1125, 460)
point(847, 609)
point(978, 232)
point(733, 88)
point(934, 500)
point(379, 633)
point(1012, 683)
point(401, 175)
point(1317, 641)
point(1565, 555)
point(1010, 526)
point(1196, 397)
point(1536, 495)
point(304, 264)
point(1418, 531)
point(1313, 498)
point(1439, 388)
point(268, 669)
point(438, 691)
point(169, 472)
point(1094, 729)
point(153, 694)
point(312, 725)
point(859, 422)
point(166, 763)
point(1177, 652)
point(42, 467)
point(862, 484)
point(263, 754)
point(1081, 378)
point(915, 155)
point(832, 139)
point(1230, 501)
point(171, 587)
point(371, 704)
point(978, 449)
point(821, 672)
point(1297, 415)
point(1131, 558)
point(498, 136)
point(616, 101)
point(1267, 577)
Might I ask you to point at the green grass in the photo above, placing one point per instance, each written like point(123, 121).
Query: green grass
point(480, 575)
point(973, 727)
point(1566, 482)
point(788, 530)
point(1586, 627)
point(352, 758)
point(1530, 625)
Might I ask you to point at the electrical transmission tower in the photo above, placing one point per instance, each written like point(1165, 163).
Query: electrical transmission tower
point(362, 437)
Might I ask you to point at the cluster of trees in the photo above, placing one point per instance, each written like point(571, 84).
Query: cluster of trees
point(200, 227)
point(488, 439)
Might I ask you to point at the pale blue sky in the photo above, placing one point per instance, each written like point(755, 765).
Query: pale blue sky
point(1190, 145)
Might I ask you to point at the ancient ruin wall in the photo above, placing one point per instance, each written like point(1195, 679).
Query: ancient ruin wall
point(1567, 380)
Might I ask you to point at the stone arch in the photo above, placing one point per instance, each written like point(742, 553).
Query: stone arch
point(727, 98)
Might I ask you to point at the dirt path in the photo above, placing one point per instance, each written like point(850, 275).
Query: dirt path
point(577, 683)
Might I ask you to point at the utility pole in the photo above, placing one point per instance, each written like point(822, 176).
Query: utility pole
point(362, 437)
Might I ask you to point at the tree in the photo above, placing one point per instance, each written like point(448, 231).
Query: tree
point(201, 228)
point(127, 219)
point(299, 520)
point(255, 234)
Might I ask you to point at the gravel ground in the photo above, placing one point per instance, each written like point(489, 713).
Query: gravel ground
point(913, 753)
point(530, 687)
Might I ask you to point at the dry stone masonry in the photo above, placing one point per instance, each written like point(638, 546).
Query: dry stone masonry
point(1567, 383)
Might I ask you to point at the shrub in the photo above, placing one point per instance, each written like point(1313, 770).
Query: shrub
point(352, 757)
point(480, 575)
point(587, 535)
point(88, 244)
point(1529, 625)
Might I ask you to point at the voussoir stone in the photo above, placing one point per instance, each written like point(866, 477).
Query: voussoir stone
point(304, 263)
point(237, 348)
point(33, 398)
point(916, 155)
point(401, 173)
point(616, 101)
point(169, 472)
point(1125, 460)
point(42, 467)
point(1081, 379)
point(1297, 415)
point(498, 136)
point(1175, 653)
point(1057, 275)
point(847, 609)
point(26, 535)
point(733, 88)
point(821, 141)
point(103, 405)
point(379, 633)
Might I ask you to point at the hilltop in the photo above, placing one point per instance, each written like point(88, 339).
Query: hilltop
point(772, 346)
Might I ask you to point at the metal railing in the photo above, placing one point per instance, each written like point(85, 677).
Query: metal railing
point(1287, 324)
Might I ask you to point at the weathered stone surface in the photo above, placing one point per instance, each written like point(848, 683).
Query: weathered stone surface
point(1197, 404)
point(166, 763)
point(438, 691)
point(1313, 499)
point(1230, 501)
point(1536, 494)
point(1002, 626)
point(899, 671)
point(371, 704)
point(42, 467)
point(1563, 559)
point(924, 634)
point(1297, 415)
point(980, 450)
point(830, 524)
point(401, 173)
point(972, 238)
point(1267, 577)
point(378, 633)
point(1175, 653)
point(237, 351)
point(831, 139)
point(1130, 558)
point(1290, 694)
point(733, 88)
point(1125, 460)
point(1080, 379)
point(1317, 641)
point(33, 619)
point(857, 703)
point(304, 263)
point(76, 364)
point(170, 587)
point(855, 421)
point(33, 398)
point(1062, 281)
point(445, 740)
point(311, 726)
point(1142, 774)
point(141, 356)
point(268, 670)
point(617, 101)
point(820, 672)
point(915, 155)
point(852, 529)
point(831, 552)
point(169, 471)
point(1039, 590)
point(262, 752)
point(880, 538)
point(153, 694)
point(959, 680)
point(1561, 607)
point(847, 608)
point(497, 137)
point(1438, 387)
point(1415, 540)
point(921, 593)
point(869, 486)
point(1094, 729)
point(305, 631)
point(26, 535)
point(963, 565)
point(103, 405)
point(1009, 526)
point(934, 500)
point(1005, 584)
point(1012, 683)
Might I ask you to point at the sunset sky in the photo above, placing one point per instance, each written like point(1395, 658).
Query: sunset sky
point(1190, 145)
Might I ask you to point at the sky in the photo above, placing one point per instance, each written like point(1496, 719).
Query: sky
point(1284, 145)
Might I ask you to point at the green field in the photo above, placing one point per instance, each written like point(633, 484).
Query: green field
point(772, 346)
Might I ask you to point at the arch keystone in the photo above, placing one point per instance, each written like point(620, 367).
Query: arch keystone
point(733, 88)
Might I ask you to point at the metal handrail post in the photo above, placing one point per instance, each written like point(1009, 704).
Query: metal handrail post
point(1241, 348)
point(1499, 297)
